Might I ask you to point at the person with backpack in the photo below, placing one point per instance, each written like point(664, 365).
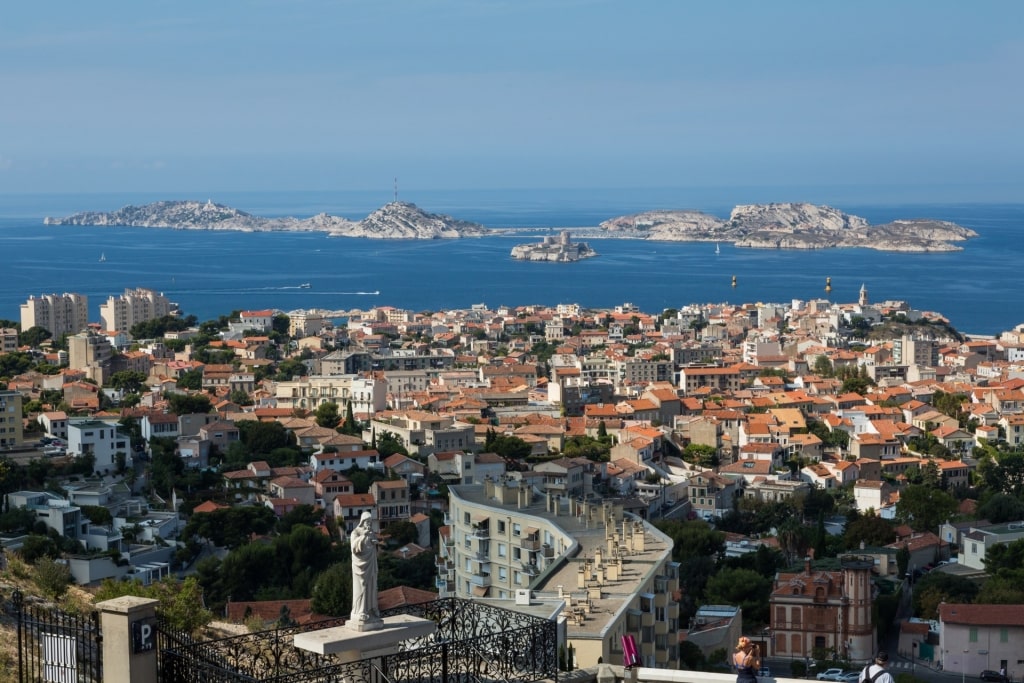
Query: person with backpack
point(876, 672)
point(747, 660)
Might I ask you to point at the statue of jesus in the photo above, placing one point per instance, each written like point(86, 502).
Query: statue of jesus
point(365, 612)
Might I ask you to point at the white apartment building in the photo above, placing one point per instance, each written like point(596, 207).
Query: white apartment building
point(613, 572)
point(104, 440)
point(134, 306)
point(365, 395)
point(56, 313)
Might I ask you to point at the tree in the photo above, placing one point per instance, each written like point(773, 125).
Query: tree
point(189, 404)
point(402, 532)
point(744, 587)
point(823, 366)
point(350, 426)
point(180, 602)
point(34, 336)
point(701, 454)
point(260, 438)
point(937, 587)
point(191, 379)
point(240, 397)
point(869, 529)
point(511, 447)
point(1001, 507)
point(128, 381)
point(327, 415)
point(52, 577)
point(332, 592)
point(925, 507)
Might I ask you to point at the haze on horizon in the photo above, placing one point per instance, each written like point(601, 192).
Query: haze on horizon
point(239, 95)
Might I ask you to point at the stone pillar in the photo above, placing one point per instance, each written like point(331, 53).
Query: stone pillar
point(128, 625)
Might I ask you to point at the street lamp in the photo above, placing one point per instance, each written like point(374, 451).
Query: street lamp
point(963, 666)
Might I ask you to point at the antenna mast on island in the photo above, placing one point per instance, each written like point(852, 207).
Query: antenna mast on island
point(396, 188)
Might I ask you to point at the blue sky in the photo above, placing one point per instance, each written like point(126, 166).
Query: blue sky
point(457, 94)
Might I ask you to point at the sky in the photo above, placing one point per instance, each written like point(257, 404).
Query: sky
point(238, 95)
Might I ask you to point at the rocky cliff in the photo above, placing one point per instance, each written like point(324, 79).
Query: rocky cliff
point(790, 226)
point(401, 220)
point(398, 220)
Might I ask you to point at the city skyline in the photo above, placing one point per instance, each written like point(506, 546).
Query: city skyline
point(460, 95)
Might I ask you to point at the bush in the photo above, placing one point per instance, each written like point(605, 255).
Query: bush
point(52, 577)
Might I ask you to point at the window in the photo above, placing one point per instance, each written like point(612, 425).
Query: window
point(516, 530)
point(502, 574)
point(501, 526)
point(1004, 635)
point(502, 550)
point(465, 518)
point(516, 553)
point(973, 634)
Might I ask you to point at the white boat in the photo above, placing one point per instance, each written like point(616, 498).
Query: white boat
point(717, 249)
point(103, 257)
point(305, 285)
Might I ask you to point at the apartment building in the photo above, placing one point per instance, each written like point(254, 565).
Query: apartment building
point(424, 433)
point(817, 610)
point(58, 314)
point(366, 395)
point(8, 340)
point(92, 354)
point(133, 307)
point(11, 433)
point(613, 571)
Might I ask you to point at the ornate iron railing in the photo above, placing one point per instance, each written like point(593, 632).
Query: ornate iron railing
point(54, 645)
point(473, 642)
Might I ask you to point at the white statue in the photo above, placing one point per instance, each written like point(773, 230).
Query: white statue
point(365, 612)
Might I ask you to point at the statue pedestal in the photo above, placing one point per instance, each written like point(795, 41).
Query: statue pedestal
point(353, 644)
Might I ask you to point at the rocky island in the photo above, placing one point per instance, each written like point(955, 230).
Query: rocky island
point(790, 226)
point(397, 220)
point(763, 226)
point(560, 250)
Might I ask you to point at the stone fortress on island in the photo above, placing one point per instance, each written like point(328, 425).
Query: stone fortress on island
point(561, 249)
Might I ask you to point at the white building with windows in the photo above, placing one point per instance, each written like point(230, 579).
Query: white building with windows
point(101, 439)
point(612, 571)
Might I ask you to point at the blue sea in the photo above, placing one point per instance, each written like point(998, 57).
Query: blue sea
point(980, 289)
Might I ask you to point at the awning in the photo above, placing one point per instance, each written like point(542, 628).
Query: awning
point(479, 520)
point(531, 530)
point(481, 591)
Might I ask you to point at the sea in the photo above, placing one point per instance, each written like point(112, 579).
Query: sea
point(211, 273)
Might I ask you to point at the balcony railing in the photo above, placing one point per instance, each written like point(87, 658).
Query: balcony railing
point(480, 532)
point(480, 579)
point(530, 543)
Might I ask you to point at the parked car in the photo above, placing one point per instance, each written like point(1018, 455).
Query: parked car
point(830, 675)
point(989, 675)
point(850, 677)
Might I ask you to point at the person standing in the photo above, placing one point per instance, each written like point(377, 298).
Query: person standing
point(747, 660)
point(876, 672)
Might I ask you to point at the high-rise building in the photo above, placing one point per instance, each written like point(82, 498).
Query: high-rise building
point(58, 314)
point(133, 307)
point(11, 434)
point(612, 570)
point(92, 353)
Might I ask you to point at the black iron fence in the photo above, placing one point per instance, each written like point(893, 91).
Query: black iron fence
point(473, 642)
point(54, 645)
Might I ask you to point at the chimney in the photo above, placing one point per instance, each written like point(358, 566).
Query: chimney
point(488, 487)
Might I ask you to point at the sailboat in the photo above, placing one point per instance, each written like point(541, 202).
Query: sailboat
point(717, 249)
point(103, 257)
